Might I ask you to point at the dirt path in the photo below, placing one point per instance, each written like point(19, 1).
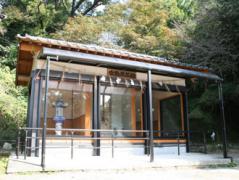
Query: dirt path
point(152, 173)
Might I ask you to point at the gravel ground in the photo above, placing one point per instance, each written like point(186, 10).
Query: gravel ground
point(151, 173)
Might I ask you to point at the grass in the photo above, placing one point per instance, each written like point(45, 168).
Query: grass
point(3, 163)
point(229, 165)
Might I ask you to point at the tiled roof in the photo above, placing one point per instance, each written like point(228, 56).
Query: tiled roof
point(108, 52)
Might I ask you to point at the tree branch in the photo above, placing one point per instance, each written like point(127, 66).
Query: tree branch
point(95, 4)
point(75, 6)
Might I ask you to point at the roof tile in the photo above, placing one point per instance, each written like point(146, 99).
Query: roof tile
point(107, 51)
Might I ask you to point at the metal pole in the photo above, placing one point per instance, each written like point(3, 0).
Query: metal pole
point(96, 116)
point(186, 121)
point(112, 144)
point(145, 123)
point(150, 115)
point(45, 113)
point(72, 144)
point(25, 148)
point(205, 143)
point(38, 115)
point(18, 142)
point(224, 133)
point(178, 144)
point(30, 116)
point(148, 143)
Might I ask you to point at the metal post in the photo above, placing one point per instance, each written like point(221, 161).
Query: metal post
point(112, 144)
point(30, 109)
point(148, 143)
point(224, 134)
point(145, 122)
point(178, 144)
point(204, 143)
point(45, 113)
point(18, 142)
point(38, 115)
point(72, 144)
point(25, 145)
point(186, 121)
point(96, 116)
point(150, 115)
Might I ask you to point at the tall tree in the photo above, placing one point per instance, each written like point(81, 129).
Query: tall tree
point(211, 38)
point(141, 26)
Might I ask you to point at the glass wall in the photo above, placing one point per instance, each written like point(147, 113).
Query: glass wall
point(171, 114)
point(121, 109)
point(167, 112)
point(69, 105)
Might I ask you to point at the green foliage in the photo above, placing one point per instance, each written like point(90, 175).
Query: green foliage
point(214, 39)
point(34, 17)
point(3, 164)
point(211, 38)
point(8, 55)
point(12, 104)
point(82, 29)
point(204, 32)
point(140, 26)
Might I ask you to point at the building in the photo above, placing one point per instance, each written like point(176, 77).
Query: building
point(77, 86)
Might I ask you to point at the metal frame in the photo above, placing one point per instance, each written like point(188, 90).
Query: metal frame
point(96, 115)
point(32, 94)
point(145, 121)
point(30, 109)
point(224, 133)
point(91, 59)
point(38, 124)
point(186, 121)
point(45, 113)
point(150, 116)
point(133, 65)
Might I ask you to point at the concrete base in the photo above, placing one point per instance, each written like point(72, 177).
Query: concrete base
point(124, 158)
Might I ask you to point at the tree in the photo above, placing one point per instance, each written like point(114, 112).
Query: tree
point(141, 26)
point(213, 39)
point(86, 7)
point(13, 104)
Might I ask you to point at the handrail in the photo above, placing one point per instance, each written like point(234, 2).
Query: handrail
point(86, 130)
point(108, 134)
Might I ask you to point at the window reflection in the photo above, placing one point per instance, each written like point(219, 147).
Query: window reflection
point(120, 109)
point(171, 116)
point(77, 110)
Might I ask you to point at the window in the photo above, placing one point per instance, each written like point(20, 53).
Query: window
point(170, 110)
point(70, 103)
point(120, 109)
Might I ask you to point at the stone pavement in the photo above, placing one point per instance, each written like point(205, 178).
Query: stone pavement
point(127, 158)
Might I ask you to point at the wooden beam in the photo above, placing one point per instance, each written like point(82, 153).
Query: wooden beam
point(23, 78)
point(32, 48)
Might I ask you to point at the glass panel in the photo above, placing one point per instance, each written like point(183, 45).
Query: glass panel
point(158, 98)
point(120, 109)
point(171, 115)
point(69, 106)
